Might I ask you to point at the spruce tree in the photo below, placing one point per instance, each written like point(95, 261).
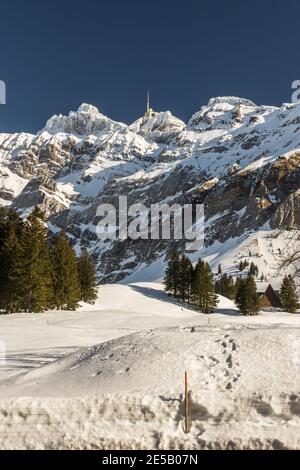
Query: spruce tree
point(203, 289)
point(288, 295)
point(66, 285)
point(87, 278)
point(225, 286)
point(36, 273)
point(172, 275)
point(247, 298)
point(2, 226)
point(185, 278)
point(220, 270)
point(253, 269)
point(11, 263)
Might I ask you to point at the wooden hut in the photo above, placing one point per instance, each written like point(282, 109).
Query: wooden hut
point(269, 298)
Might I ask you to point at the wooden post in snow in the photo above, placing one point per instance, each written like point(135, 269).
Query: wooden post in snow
point(186, 404)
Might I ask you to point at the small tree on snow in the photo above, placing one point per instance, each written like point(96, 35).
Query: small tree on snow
point(185, 278)
point(87, 278)
point(288, 295)
point(203, 288)
point(220, 269)
point(172, 275)
point(247, 298)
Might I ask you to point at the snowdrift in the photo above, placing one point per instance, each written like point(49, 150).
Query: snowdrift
point(122, 386)
point(127, 393)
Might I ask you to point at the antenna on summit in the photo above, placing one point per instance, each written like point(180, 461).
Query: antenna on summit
point(149, 112)
point(148, 102)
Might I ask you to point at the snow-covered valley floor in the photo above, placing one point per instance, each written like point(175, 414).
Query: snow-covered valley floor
point(111, 376)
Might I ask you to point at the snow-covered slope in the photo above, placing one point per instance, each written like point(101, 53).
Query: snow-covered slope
point(229, 360)
point(242, 161)
point(112, 377)
point(138, 327)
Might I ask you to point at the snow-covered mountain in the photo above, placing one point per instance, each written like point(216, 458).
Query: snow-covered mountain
point(239, 159)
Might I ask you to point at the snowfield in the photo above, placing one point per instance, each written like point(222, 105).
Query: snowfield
point(111, 376)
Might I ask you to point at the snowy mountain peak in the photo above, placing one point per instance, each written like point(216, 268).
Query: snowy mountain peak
point(88, 108)
point(230, 100)
point(222, 112)
point(86, 120)
point(157, 125)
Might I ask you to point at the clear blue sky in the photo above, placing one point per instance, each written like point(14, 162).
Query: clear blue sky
point(56, 54)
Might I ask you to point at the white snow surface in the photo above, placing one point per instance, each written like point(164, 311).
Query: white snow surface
point(111, 376)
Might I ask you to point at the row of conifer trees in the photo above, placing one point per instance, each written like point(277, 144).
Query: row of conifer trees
point(38, 272)
point(245, 288)
point(196, 285)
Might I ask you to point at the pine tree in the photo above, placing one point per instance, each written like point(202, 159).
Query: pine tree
point(66, 285)
point(225, 286)
point(288, 295)
point(36, 272)
point(2, 226)
point(203, 290)
point(11, 265)
point(172, 275)
point(87, 278)
point(238, 282)
point(247, 298)
point(220, 270)
point(253, 269)
point(185, 278)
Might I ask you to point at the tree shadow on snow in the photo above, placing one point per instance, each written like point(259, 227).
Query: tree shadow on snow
point(162, 296)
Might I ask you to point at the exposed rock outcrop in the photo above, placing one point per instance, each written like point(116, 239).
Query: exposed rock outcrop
point(240, 160)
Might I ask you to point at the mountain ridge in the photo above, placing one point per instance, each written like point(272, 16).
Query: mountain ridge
point(242, 161)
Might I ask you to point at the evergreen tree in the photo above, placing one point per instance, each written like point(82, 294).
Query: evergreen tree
point(253, 269)
point(33, 279)
point(87, 278)
point(11, 227)
point(247, 298)
point(66, 285)
point(172, 275)
point(2, 226)
point(36, 272)
point(238, 282)
point(225, 286)
point(185, 278)
point(203, 289)
point(10, 263)
point(243, 265)
point(288, 295)
point(220, 270)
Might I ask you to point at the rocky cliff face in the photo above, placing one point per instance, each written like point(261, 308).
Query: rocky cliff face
point(240, 160)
